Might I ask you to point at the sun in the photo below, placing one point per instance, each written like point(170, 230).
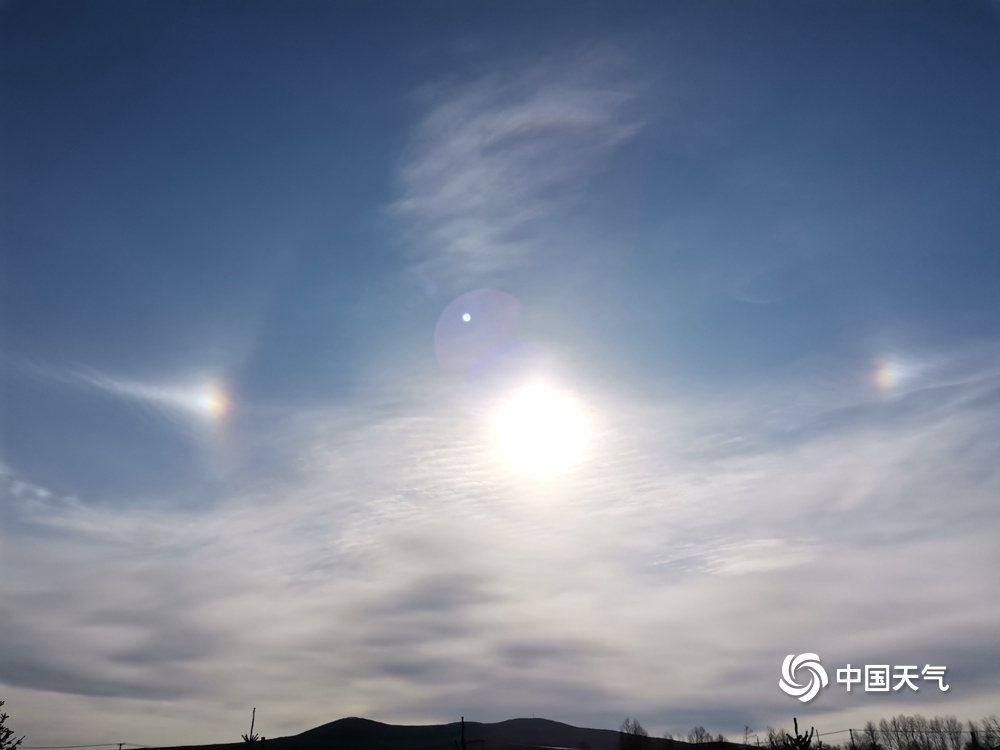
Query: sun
point(540, 430)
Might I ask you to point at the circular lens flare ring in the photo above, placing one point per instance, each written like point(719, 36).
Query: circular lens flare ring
point(540, 430)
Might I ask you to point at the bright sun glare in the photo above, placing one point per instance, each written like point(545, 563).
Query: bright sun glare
point(540, 430)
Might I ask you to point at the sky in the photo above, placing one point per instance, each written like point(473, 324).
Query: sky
point(423, 360)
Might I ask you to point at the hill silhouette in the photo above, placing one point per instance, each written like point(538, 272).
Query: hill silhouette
point(364, 734)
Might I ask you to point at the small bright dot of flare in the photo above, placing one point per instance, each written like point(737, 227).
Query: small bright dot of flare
point(466, 317)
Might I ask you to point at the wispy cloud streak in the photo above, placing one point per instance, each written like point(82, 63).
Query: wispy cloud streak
point(496, 160)
point(203, 397)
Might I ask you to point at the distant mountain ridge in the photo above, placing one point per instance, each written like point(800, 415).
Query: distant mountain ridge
point(514, 734)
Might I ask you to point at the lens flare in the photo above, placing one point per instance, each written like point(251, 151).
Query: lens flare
point(540, 430)
point(471, 325)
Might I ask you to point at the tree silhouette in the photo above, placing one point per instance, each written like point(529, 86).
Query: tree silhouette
point(632, 736)
point(776, 738)
point(991, 731)
point(6, 743)
point(870, 741)
point(699, 735)
point(800, 741)
point(251, 737)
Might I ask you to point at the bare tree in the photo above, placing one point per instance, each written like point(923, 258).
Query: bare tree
point(991, 731)
point(869, 737)
point(800, 741)
point(937, 737)
point(699, 735)
point(251, 737)
point(632, 736)
point(954, 732)
point(6, 743)
point(919, 728)
point(973, 743)
point(888, 730)
point(776, 738)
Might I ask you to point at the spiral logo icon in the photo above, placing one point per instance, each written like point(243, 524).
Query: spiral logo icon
point(817, 676)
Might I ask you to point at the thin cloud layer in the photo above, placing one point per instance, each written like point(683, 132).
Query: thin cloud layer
point(496, 162)
point(403, 573)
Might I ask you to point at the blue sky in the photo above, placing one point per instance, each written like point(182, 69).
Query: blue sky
point(250, 455)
